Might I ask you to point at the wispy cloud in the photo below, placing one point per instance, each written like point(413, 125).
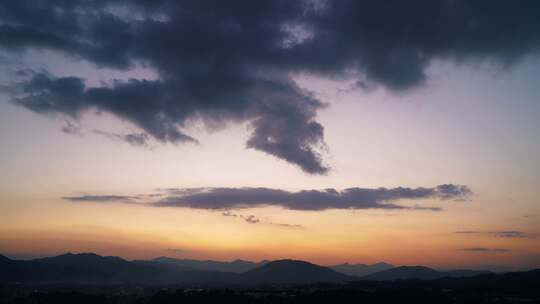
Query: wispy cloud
point(134, 139)
point(228, 213)
point(484, 249)
point(510, 234)
point(428, 208)
point(72, 128)
point(102, 198)
point(252, 219)
point(502, 234)
point(293, 226)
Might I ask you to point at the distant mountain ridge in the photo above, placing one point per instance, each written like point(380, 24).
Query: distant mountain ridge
point(93, 268)
point(405, 272)
point(361, 270)
point(236, 266)
point(239, 266)
point(419, 272)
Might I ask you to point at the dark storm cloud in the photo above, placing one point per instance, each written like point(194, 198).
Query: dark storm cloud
point(483, 249)
point(351, 198)
point(222, 61)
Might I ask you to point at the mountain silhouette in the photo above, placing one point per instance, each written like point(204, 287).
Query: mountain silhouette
point(361, 270)
point(406, 272)
point(92, 268)
point(236, 266)
point(462, 273)
point(421, 273)
point(292, 271)
point(3, 258)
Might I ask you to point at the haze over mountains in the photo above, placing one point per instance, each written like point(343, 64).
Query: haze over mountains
point(420, 272)
point(90, 278)
point(361, 270)
point(239, 266)
point(236, 266)
point(92, 268)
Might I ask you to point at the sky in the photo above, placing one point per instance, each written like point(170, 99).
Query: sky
point(350, 131)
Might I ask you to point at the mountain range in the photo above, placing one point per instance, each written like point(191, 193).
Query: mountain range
point(92, 268)
point(421, 273)
point(236, 266)
point(239, 266)
point(361, 270)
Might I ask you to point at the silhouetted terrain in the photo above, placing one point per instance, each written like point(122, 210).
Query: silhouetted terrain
point(292, 271)
point(491, 288)
point(90, 268)
point(462, 273)
point(361, 270)
point(406, 272)
point(420, 272)
point(236, 266)
point(90, 278)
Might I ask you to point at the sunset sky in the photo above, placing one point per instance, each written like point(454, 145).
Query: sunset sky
point(328, 131)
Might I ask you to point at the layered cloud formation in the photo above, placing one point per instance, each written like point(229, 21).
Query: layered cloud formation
point(351, 198)
point(239, 198)
point(222, 61)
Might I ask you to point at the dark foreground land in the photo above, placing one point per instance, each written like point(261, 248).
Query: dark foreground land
point(520, 288)
point(89, 279)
